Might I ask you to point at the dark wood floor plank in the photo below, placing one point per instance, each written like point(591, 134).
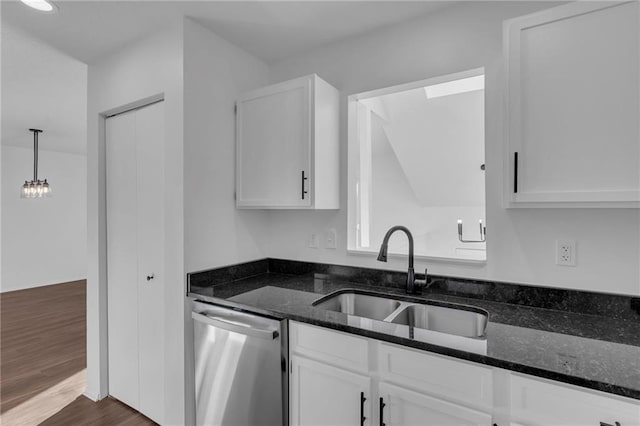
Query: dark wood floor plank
point(107, 412)
point(42, 344)
point(42, 339)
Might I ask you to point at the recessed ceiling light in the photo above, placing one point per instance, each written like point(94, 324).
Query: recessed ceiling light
point(41, 5)
point(454, 87)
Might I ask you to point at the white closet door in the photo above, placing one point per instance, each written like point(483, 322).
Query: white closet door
point(150, 153)
point(135, 252)
point(122, 264)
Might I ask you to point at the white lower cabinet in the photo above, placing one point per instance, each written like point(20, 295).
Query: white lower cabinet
point(353, 390)
point(538, 402)
point(403, 407)
point(331, 371)
point(324, 395)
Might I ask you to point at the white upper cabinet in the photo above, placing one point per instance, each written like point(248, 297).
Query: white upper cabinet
point(287, 150)
point(572, 106)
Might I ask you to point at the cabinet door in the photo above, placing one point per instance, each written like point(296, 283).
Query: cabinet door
point(452, 379)
point(573, 106)
point(538, 402)
point(274, 146)
point(323, 395)
point(403, 407)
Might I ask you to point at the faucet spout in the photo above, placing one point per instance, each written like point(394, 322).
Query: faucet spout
point(382, 255)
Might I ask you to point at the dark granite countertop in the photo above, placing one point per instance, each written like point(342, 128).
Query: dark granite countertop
point(592, 351)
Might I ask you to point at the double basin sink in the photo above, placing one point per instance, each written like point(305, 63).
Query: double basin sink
point(442, 317)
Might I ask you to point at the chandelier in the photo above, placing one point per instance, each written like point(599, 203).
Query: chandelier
point(35, 188)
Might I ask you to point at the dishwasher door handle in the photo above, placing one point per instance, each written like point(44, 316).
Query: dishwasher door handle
point(235, 327)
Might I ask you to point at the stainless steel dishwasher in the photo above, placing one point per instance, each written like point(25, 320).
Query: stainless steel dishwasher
point(240, 367)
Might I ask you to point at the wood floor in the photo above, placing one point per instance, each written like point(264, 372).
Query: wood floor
point(107, 412)
point(43, 361)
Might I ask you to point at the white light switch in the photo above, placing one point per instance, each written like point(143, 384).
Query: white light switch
point(330, 239)
point(313, 241)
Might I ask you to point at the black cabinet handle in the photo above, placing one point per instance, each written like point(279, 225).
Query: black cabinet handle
point(515, 172)
point(362, 400)
point(382, 405)
point(302, 184)
point(607, 424)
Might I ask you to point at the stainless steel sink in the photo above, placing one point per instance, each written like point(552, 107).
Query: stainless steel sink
point(415, 318)
point(459, 320)
point(361, 305)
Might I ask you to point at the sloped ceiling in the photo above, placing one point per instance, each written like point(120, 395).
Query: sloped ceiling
point(440, 145)
point(42, 88)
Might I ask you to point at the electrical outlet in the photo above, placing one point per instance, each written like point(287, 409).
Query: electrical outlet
point(313, 241)
point(566, 253)
point(330, 239)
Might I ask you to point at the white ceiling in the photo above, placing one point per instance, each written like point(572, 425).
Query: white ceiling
point(42, 88)
point(270, 30)
point(44, 55)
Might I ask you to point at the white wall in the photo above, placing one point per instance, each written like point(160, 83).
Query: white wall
point(44, 241)
point(215, 73)
point(149, 67)
point(215, 232)
point(521, 243)
point(201, 75)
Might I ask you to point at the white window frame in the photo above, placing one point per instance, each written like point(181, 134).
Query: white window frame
point(354, 152)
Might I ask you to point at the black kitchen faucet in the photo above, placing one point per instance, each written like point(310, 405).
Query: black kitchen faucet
point(413, 286)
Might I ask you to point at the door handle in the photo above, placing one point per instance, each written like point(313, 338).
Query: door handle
point(235, 327)
point(362, 400)
point(302, 184)
point(382, 405)
point(515, 172)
